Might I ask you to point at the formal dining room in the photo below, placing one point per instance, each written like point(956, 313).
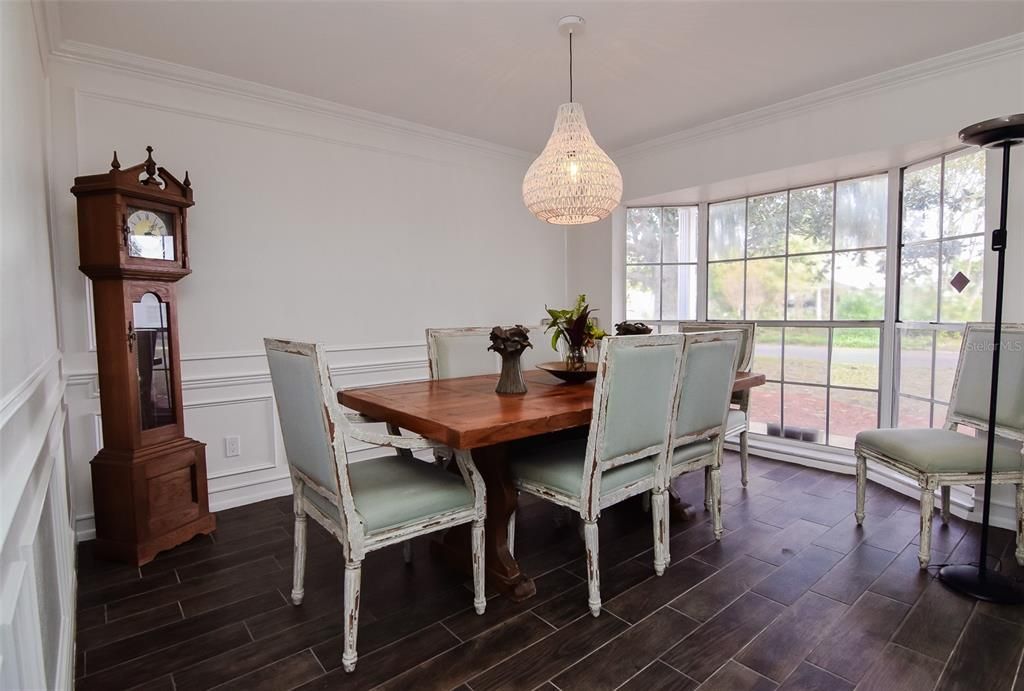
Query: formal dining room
point(512, 344)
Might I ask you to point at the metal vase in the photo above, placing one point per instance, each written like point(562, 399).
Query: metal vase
point(511, 380)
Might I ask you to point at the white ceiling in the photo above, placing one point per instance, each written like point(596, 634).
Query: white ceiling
point(498, 70)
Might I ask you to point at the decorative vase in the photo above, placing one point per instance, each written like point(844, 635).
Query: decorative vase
point(576, 358)
point(511, 380)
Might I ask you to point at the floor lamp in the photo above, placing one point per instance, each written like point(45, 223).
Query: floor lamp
point(979, 581)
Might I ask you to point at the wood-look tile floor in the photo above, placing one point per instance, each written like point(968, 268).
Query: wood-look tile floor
point(795, 596)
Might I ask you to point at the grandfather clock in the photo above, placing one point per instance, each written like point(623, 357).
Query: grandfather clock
point(149, 479)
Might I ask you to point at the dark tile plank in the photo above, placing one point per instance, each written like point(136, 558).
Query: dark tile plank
point(90, 617)
point(736, 677)
point(467, 659)
point(788, 542)
point(384, 664)
point(572, 604)
point(810, 678)
point(545, 659)
point(716, 592)
point(628, 653)
point(859, 637)
point(640, 600)
point(113, 593)
point(895, 532)
point(220, 563)
point(796, 576)
point(832, 484)
point(288, 673)
point(162, 662)
point(717, 640)
point(904, 579)
point(659, 677)
point(128, 626)
point(934, 625)
point(987, 656)
point(854, 574)
point(189, 557)
point(736, 544)
point(781, 647)
point(899, 669)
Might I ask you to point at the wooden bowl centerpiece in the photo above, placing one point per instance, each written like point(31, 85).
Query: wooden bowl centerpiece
point(572, 375)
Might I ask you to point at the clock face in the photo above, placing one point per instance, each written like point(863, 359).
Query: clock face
point(150, 234)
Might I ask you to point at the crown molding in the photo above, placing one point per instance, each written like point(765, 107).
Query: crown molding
point(90, 54)
point(906, 74)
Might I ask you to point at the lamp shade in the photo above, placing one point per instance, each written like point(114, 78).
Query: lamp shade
point(573, 181)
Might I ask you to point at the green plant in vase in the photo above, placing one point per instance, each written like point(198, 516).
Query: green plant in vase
point(579, 332)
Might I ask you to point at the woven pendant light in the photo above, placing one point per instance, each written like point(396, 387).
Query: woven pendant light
point(573, 181)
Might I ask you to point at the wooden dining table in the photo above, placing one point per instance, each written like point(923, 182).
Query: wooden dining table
point(465, 413)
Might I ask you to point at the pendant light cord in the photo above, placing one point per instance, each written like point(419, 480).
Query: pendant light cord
point(570, 67)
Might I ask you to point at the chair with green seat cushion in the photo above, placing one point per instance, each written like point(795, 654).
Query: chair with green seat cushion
point(940, 458)
point(367, 505)
point(738, 422)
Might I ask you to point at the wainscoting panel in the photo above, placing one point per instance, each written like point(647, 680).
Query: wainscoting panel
point(230, 394)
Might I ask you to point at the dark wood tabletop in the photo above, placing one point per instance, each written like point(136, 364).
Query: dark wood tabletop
point(465, 413)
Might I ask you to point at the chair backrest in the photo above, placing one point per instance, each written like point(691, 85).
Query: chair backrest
point(705, 388)
point(746, 345)
point(634, 399)
point(311, 422)
point(972, 385)
point(462, 352)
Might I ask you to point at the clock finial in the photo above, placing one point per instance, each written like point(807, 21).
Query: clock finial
point(115, 164)
point(187, 182)
point(150, 167)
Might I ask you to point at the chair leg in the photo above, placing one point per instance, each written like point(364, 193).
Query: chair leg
point(645, 501)
point(744, 457)
point(593, 571)
point(659, 516)
point(479, 584)
point(924, 555)
point(716, 500)
point(407, 551)
point(707, 488)
point(862, 487)
point(512, 534)
point(1020, 525)
point(945, 504)
point(299, 570)
point(353, 570)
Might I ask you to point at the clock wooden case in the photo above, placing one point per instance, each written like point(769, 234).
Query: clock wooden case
point(149, 479)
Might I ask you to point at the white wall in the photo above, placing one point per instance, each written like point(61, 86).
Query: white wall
point(309, 223)
point(36, 539)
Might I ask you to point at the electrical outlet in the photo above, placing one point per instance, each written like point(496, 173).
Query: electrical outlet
point(232, 446)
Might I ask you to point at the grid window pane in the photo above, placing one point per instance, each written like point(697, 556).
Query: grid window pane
point(916, 362)
point(726, 230)
point(855, 355)
point(679, 234)
point(861, 212)
point(967, 256)
point(806, 355)
point(850, 412)
point(914, 413)
point(922, 187)
point(679, 291)
point(643, 236)
point(766, 225)
point(766, 281)
point(805, 412)
point(725, 290)
point(963, 193)
point(766, 409)
point(643, 292)
point(919, 283)
point(860, 285)
point(947, 354)
point(768, 352)
point(810, 220)
point(809, 287)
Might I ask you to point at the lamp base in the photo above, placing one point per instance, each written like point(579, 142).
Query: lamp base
point(987, 585)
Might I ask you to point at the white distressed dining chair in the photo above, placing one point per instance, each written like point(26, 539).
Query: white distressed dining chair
point(738, 422)
point(366, 505)
point(940, 458)
point(462, 352)
point(634, 426)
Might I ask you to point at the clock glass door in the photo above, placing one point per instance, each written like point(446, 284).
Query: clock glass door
point(150, 234)
point(152, 342)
